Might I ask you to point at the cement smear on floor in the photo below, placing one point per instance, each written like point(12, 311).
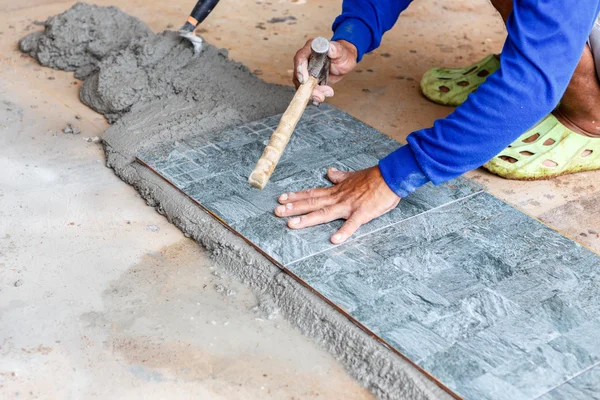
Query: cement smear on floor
point(156, 91)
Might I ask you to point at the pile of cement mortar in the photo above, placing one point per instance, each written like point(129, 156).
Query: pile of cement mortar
point(127, 68)
point(155, 91)
point(77, 40)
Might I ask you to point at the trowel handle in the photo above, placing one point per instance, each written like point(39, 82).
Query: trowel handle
point(201, 10)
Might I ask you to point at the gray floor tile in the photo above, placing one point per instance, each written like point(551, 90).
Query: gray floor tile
point(491, 302)
point(438, 288)
point(213, 170)
point(585, 386)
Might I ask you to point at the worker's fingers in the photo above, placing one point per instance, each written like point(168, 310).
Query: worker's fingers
point(321, 216)
point(306, 206)
point(343, 58)
point(336, 176)
point(302, 71)
point(341, 69)
point(334, 79)
point(322, 92)
point(336, 51)
point(351, 225)
point(305, 194)
point(318, 96)
point(301, 63)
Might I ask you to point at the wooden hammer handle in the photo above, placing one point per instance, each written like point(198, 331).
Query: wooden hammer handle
point(280, 138)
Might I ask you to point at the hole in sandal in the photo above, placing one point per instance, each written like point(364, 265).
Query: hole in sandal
point(483, 73)
point(444, 79)
point(549, 164)
point(463, 83)
point(586, 153)
point(549, 142)
point(531, 138)
point(526, 153)
point(444, 89)
point(473, 69)
point(509, 159)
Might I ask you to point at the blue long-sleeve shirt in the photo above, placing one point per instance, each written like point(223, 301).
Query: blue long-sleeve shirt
point(545, 41)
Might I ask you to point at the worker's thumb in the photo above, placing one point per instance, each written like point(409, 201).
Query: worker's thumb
point(336, 176)
point(336, 50)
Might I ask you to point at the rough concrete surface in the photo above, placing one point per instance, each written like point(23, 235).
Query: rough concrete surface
point(100, 296)
point(155, 90)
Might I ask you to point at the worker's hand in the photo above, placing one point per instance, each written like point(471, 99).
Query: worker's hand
point(343, 60)
point(358, 197)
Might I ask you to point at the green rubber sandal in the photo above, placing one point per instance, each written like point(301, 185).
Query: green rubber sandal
point(547, 150)
point(452, 86)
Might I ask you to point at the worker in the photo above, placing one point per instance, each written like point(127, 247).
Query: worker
point(539, 100)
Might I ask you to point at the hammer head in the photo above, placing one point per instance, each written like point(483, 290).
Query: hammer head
point(318, 63)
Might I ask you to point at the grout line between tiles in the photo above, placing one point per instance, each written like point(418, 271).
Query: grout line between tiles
point(570, 379)
point(383, 227)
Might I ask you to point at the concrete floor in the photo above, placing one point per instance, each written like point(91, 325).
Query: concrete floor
point(101, 297)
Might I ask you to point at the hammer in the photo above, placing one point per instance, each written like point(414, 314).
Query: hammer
point(318, 71)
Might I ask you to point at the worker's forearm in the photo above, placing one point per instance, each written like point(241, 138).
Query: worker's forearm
point(363, 22)
point(545, 42)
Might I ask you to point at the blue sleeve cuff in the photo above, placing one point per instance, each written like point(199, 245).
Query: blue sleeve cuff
point(401, 171)
point(355, 31)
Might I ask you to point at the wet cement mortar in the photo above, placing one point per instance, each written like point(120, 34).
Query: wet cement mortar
point(155, 91)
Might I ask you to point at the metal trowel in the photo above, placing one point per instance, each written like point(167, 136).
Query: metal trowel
point(202, 9)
